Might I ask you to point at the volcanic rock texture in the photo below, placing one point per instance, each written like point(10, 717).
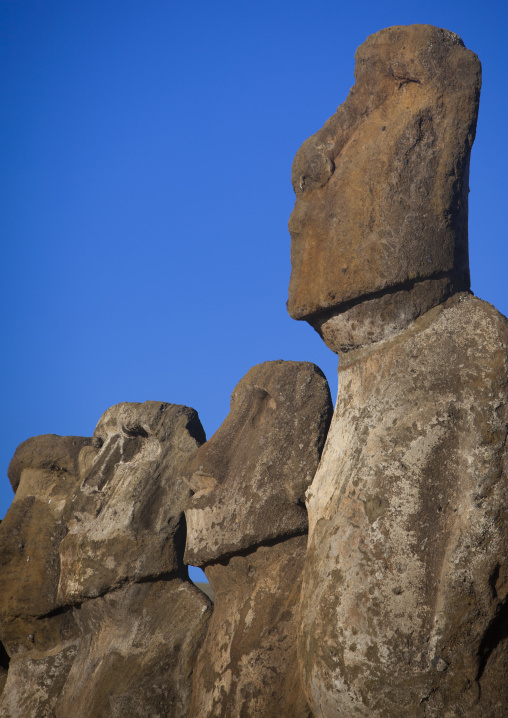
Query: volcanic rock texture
point(382, 189)
point(97, 614)
point(396, 603)
point(247, 527)
point(405, 600)
point(404, 606)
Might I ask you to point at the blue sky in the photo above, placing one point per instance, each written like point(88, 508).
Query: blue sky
point(145, 191)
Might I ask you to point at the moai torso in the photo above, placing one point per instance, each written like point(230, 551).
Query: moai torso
point(404, 608)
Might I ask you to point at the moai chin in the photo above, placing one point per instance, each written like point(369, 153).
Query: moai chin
point(379, 228)
point(247, 527)
point(404, 607)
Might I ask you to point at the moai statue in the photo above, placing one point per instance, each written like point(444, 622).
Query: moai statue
point(405, 592)
point(141, 619)
point(39, 638)
point(247, 527)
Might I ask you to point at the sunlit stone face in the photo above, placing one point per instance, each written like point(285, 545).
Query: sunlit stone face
point(249, 479)
point(381, 189)
point(126, 521)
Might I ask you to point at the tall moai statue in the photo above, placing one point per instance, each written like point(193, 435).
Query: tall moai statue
point(247, 527)
point(404, 606)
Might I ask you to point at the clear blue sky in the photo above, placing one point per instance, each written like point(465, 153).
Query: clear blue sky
point(145, 191)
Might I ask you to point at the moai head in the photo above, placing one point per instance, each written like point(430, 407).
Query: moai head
point(43, 473)
point(379, 228)
point(126, 518)
point(250, 478)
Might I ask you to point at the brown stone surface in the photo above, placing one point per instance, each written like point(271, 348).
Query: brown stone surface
point(381, 189)
point(120, 635)
point(247, 525)
point(35, 681)
point(145, 620)
point(137, 654)
point(405, 596)
point(248, 663)
point(126, 520)
point(40, 641)
point(250, 478)
point(43, 472)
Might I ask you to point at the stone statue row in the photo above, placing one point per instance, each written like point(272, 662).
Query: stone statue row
point(359, 557)
point(99, 617)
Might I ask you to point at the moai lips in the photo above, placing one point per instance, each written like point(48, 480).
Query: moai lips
point(382, 190)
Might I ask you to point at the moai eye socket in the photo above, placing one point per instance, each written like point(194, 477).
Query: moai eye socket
point(97, 442)
point(133, 430)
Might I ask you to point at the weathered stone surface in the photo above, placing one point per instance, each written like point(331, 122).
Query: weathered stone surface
point(35, 680)
point(248, 664)
point(250, 478)
point(137, 654)
point(141, 619)
point(126, 520)
point(119, 636)
point(381, 189)
point(43, 473)
point(39, 640)
point(247, 525)
point(405, 596)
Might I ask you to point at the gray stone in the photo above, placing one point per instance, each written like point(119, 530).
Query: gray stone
point(405, 595)
point(141, 619)
point(248, 665)
point(114, 627)
point(137, 653)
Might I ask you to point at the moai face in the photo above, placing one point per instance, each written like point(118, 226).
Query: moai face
point(379, 228)
point(126, 519)
point(250, 478)
point(43, 474)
